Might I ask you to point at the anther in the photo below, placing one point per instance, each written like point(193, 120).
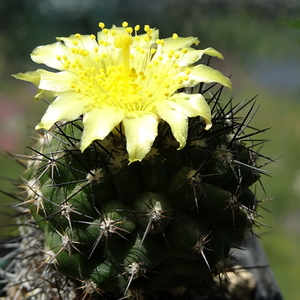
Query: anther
point(101, 25)
point(160, 42)
point(187, 71)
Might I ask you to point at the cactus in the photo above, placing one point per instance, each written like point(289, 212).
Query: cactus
point(136, 211)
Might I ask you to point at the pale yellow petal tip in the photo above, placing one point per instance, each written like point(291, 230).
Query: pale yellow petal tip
point(208, 125)
point(213, 52)
point(229, 84)
point(31, 76)
point(138, 155)
point(225, 81)
point(139, 152)
point(39, 126)
point(84, 143)
point(21, 76)
point(42, 125)
point(82, 147)
point(182, 143)
point(134, 159)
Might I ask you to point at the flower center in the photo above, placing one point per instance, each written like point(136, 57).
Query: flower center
point(123, 70)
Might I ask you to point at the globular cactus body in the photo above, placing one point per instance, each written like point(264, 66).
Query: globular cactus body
point(148, 226)
point(132, 212)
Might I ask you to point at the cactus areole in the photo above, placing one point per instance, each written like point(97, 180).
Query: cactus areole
point(138, 182)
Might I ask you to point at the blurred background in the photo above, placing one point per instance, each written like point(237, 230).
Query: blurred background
point(260, 40)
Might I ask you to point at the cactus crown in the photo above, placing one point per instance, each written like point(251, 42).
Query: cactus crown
point(163, 222)
point(123, 77)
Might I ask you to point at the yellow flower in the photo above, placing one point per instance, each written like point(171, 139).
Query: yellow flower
point(123, 76)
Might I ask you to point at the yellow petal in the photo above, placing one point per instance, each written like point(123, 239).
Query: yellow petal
point(212, 52)
point(59, 82)
point(108, 37)
point(46, 95)
point(203, 73)
point(178, 122)
point(193, 55)
point(154, 36)
point(140, 131)
point(50, 81)
point(66, 107)
point(98, 123)
point(179, 43)
point(191, 105)
point(33, 77)
point(48, 55)
point(84, 42)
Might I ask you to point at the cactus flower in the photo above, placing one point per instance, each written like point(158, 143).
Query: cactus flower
point(123, 77)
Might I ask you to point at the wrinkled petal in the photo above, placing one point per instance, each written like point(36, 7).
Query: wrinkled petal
point(83, 42)
point(108, 36)
point(98, 123)
point(66, 107)
point(59, 82)
point(193, 56)
point(48, 55)
point(212, 52)
point(32, 76)
point(179, 43)
point(140, 131)
point(203, 73)
point(35, 78)
point(176, 119)
point(46, 95)
point(191, 105)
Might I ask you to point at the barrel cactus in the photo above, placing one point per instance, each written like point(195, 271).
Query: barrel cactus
point(138, 181)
